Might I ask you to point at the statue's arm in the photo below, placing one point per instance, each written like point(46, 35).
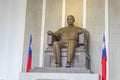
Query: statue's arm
point(54, 36)
point(80, 31)
point(51, 37)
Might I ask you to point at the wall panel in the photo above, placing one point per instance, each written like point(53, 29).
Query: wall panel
point(114, 23)
point(75, 7)
point(96, 27)
point(32, 26)
point(52, 18)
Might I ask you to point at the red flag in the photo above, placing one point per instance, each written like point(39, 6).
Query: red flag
point(29, 60)
point(104, 59)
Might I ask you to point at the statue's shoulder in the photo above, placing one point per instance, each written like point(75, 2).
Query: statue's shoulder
point(79, 28)
point(63, 28)
point(83, 29)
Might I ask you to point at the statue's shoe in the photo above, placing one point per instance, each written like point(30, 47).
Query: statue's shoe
point(58, 65)
point(68, 64)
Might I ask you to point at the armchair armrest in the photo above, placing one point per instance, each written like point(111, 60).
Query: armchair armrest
point(84, 37)
point(81, 38)
point(49, 40)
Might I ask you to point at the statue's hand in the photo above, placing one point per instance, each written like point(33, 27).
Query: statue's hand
point(53, 35)
point(49, 32)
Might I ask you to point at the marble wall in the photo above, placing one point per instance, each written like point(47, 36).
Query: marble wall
point(95, 24)
point(96, 28)
point(75, 8)
point(32, 27)
point(53, 17)
point(114, 39)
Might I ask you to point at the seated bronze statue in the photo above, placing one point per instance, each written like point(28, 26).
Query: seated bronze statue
point(66, 37)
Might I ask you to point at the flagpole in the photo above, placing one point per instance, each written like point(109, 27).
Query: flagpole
point(107, 34)
point(29, 59)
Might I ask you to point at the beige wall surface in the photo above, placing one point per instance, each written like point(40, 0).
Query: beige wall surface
point(75, 7)
point(114, 32)
point(32, 26)
point(53, 17)
point(96, 27)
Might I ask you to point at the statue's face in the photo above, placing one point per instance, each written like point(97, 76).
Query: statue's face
point(70, 20)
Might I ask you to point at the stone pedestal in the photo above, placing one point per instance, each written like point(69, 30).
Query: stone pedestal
point(59, 70)
point(59, 76)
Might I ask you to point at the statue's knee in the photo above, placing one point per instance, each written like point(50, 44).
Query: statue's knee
point(71, 42)
point(55, 43)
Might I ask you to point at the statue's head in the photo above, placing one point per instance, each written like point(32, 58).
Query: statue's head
point(70, 20)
